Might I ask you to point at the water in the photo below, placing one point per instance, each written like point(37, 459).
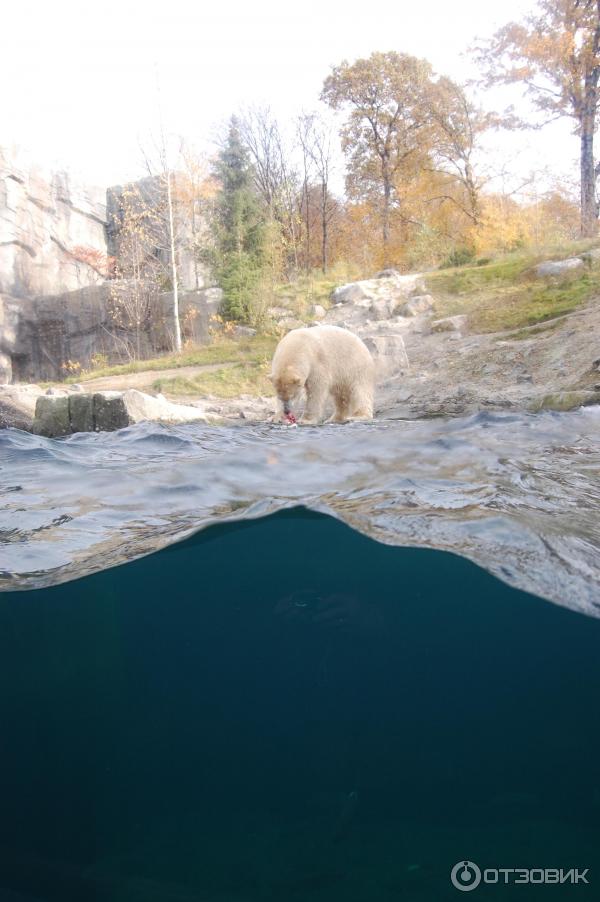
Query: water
point(279, 707)
point(517, 494)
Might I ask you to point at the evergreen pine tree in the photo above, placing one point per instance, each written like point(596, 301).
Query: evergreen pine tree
point(240, 229)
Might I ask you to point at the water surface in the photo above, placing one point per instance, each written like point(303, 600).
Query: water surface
point(518, 494)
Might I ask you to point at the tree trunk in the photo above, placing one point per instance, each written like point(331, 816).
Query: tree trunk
point(194, 239)
point(307, 225)
point(176, 325)
point(324, 225)
point(291, 213)
point(589, 206)
point(387, 195)
point(589, 215)
point(473, 194)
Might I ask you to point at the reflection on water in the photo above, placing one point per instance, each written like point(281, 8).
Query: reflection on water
point(286, 710)
point(518, 494)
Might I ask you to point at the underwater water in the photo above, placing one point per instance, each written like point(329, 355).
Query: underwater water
point(278, 707)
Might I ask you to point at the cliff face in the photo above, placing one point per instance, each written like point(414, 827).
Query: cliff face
point(57, 331)
point(52, 232)
point(55, 240)
point(45, 222)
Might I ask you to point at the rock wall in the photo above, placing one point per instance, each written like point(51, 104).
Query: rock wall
point(56, 238)
point(60, 335)
point(9, 321)
point(45, 221)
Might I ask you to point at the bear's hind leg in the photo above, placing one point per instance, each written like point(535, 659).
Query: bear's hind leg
point(342, 399)
point(360, 406)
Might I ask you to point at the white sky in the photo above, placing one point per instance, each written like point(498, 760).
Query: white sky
point(79, 80)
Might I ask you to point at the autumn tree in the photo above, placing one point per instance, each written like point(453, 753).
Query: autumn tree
point(165, 220)
point(261, 135)
point(303, 137)
point(553, 216)
point(386, 98)
point(194, 190)
point(356, 239)
point(275, 176)
point(554, 54)
point(457, 125)
point(317, 141)
point(138, 270)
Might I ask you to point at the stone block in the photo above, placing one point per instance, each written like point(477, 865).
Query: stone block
point(52, 416)
point(81, 413)
point(110, 412)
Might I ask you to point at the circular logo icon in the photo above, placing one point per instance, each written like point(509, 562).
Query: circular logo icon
point(465, 876)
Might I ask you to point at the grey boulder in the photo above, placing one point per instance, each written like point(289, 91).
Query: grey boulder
point(573, 267)
point(450, 324)
point(351, 294)
point(388, 353)
point(421, 303)
point(17, 406)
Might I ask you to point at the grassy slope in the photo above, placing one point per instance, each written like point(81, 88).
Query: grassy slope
point(313, 288)
point(230, 382)
point(249, 374)
point(222, 350)
point(501, 295)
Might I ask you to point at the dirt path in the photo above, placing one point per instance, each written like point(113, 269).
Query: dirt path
point(144, 379)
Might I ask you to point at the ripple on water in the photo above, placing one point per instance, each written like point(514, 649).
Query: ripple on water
point(518, 494)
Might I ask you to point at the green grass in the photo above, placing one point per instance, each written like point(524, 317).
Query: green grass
point(313, 288)
point(501, 295)
point(222, 350)
point(531, 331)
point(467, 279)
point(229, 382)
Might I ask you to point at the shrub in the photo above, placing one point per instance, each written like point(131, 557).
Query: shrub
point(459, 257)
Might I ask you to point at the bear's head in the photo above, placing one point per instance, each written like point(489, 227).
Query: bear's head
point(288, 385)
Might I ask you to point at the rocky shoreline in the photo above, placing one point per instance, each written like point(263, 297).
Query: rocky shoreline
point(426, 366)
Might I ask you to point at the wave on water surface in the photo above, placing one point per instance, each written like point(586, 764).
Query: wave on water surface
point(518, 494)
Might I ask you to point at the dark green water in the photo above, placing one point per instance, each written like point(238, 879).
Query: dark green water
point(288, 710)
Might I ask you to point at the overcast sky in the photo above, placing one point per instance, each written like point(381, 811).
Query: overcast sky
point(80, 80)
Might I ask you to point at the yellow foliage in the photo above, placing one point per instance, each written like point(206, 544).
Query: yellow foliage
point(504, 227)
point(71, 367)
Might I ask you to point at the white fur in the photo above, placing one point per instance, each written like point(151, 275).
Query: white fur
point(325, 361)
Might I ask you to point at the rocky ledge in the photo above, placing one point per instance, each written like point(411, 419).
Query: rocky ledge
point(433, 366)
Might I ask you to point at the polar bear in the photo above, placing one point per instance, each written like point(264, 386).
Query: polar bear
point(324, 361)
